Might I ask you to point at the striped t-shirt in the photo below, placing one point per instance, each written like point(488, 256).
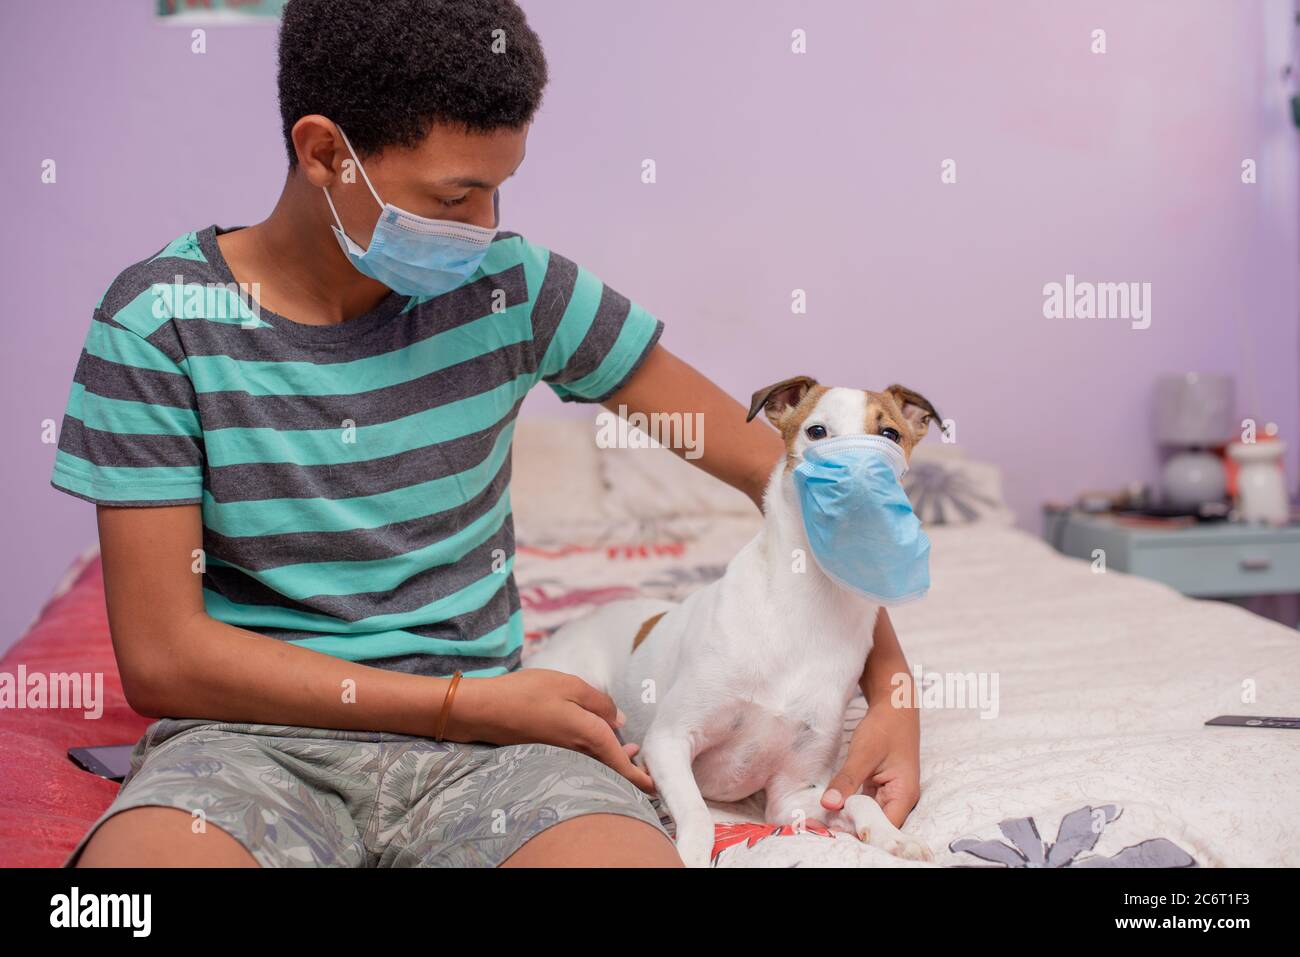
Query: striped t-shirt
point(354, 479)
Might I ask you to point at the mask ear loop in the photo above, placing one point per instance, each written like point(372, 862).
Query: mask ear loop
point(348, 144)
point(369, 185)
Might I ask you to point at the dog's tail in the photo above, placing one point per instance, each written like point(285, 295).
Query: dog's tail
point(596, 647)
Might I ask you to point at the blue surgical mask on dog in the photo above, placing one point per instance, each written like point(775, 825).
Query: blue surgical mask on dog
point(860, 525)
point(411, 254)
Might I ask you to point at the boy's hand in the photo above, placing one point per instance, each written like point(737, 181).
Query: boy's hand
point(884, 755)
point(548, 707)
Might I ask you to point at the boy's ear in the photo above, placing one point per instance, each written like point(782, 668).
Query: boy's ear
point(916, 409)
point(777, 398)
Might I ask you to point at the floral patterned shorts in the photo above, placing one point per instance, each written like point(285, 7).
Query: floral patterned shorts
point(309, 797)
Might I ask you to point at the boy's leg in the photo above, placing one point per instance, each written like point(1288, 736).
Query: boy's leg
point(598, 840)
point(525, 805)
point(229, 794)
point(161, 837)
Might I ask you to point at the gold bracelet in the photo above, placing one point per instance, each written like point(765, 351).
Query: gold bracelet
point(446, 705)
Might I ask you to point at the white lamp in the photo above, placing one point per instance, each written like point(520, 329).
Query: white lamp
point(1194, 412)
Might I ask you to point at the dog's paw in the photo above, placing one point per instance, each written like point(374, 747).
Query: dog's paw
point(872, 827)
point(909, 849)
point(696, 848)
point(696, 857)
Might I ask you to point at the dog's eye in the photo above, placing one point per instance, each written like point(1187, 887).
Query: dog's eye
point(815, 432)
point(890, 434)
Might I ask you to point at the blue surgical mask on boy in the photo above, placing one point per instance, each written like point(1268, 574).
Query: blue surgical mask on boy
point(411, 254)
point(860, 524)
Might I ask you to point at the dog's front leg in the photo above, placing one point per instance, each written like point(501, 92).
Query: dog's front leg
point(667, 754)
point(793, 803)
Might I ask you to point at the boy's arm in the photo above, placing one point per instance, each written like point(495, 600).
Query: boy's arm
point(740, 453)
point(175, 660)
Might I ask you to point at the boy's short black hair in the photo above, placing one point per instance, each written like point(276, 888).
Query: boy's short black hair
point(387, 70)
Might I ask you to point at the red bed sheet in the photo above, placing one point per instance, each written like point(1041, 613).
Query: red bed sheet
point(46, 802)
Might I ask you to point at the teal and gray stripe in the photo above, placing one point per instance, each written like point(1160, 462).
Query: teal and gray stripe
point(353, 479)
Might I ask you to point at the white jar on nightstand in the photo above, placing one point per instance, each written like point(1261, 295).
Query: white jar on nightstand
point(1261, 483)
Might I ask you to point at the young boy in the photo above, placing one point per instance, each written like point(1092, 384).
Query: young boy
point(303, 492)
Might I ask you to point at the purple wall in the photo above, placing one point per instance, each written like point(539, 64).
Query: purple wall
point(775, 172)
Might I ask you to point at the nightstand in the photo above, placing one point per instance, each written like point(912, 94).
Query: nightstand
point(1209, 560)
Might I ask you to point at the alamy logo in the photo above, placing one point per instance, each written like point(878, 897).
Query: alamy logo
point(37, 691)
point(970, 690)
point(103, 910)
point(1098, 300)
point(683, 431)
point(237, 302)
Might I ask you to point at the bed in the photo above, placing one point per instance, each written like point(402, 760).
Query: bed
point(1093, 753)
point(1097, 756)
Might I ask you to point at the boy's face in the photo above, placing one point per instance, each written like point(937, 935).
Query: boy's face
point(451, 175)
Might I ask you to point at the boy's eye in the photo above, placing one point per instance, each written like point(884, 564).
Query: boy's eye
point(890, 434)
point(815, 432)
point(455, 202)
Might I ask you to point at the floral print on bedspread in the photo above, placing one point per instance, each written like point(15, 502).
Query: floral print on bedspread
point(559, 581)
point(1077, 835)
point(1087, 836)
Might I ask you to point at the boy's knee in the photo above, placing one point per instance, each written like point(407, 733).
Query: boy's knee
point(161, 837)
point(598, 840)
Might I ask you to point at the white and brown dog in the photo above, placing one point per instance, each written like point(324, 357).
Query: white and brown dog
point(743, 686)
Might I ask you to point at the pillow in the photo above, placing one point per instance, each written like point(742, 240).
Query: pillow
point(555, 476)
point(946, 488)
point(644, 480)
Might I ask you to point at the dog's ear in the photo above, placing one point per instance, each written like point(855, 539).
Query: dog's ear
point(775, 399)
point(916, 408)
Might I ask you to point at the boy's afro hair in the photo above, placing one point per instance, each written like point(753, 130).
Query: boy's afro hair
point(387, 70)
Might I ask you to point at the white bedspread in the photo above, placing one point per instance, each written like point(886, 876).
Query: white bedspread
point(1098, 754)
